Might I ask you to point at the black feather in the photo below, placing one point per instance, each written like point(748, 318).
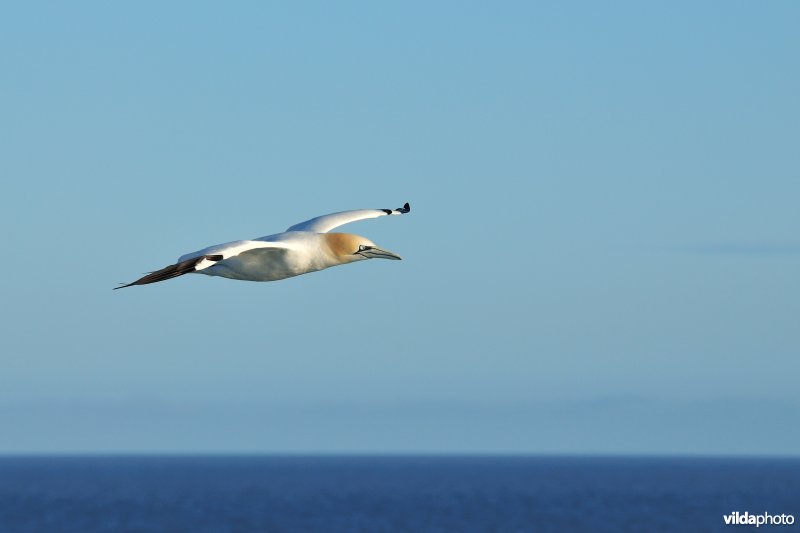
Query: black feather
point(171, 271)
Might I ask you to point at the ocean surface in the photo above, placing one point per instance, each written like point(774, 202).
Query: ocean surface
point(390, 493)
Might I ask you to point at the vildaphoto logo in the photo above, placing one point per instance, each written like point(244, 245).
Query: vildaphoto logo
point(766, 519)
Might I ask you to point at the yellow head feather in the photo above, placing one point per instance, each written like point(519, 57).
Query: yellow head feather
point(345, 244)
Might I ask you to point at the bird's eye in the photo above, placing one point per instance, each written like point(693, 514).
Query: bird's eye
point(361, 247)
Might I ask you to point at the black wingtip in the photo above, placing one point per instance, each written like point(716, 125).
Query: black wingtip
point(171, 271)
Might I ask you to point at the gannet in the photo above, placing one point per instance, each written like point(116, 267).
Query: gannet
point(303, 248)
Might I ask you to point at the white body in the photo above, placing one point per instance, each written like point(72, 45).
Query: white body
point(300, 252)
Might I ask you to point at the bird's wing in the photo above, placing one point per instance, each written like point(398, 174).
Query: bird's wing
point(325, 223)
point(204, 258)
point(232, 249)
point(173, 271)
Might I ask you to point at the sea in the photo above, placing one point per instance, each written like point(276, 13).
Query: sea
point(391, 493)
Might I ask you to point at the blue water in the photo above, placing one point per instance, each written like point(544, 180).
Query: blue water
point(374, 494)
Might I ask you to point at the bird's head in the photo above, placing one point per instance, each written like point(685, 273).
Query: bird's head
point(348, 247)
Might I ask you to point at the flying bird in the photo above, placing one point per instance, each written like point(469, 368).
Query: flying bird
point(305, 247)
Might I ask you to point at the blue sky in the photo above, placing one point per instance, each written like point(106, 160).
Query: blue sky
point(602, 255)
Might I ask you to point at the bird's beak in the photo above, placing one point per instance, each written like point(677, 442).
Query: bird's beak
point(377, 253)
